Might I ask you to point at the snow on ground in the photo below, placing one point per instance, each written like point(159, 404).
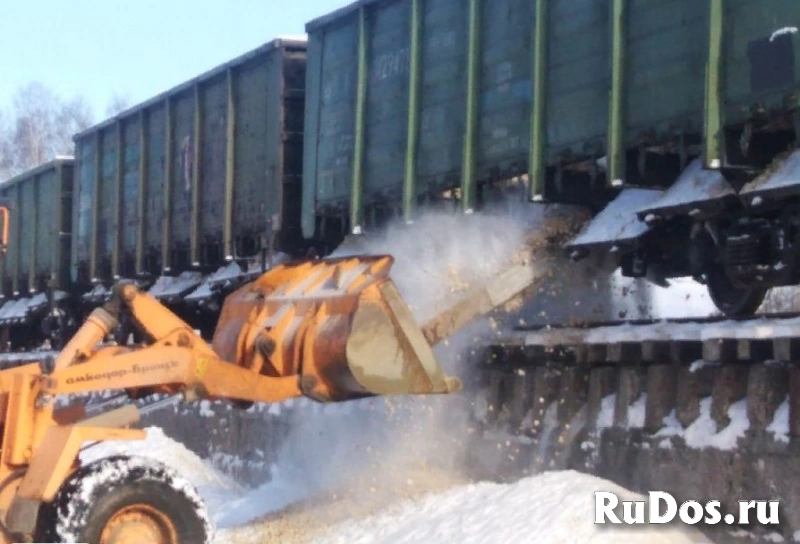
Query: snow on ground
point(605, 418)
point(684, 297)
point(780, 423)
point(703, 433)
point(549, 508)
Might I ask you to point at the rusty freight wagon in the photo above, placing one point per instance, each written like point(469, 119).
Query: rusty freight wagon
point(204, 175)
point(35, 270)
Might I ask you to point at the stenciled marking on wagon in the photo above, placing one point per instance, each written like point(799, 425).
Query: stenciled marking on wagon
point(391, 64)
point(443, 40)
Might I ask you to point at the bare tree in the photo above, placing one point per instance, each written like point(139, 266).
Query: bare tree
point(5, 149)
point(117, 105)
point(34, 107)
point(40, 126)
point(73, 116)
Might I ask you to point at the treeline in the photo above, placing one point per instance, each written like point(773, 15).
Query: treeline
point(38, 125)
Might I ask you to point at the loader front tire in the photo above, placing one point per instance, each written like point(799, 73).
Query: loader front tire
point(125, 499)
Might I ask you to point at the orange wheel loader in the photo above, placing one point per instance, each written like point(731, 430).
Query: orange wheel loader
point(331, 330)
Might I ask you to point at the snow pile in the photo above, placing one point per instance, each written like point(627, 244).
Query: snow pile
point(551, 508)
point(554, 507)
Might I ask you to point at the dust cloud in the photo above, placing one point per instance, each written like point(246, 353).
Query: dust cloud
point(349, 460)
point(352, 459)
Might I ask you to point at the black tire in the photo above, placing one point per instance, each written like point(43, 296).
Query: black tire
point(98, 492)
point(730, 299)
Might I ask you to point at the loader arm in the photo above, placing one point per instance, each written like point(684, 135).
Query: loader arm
point(332, 330)
point(170, 369)
point(177, 361)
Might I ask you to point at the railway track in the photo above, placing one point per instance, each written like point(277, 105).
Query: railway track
point(671, 361)
point(677, 320)
point(686, 340)
point(699, 407)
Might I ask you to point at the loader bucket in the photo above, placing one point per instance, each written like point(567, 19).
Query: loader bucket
point(339, 325)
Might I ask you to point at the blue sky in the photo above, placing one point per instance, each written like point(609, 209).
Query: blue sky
point(136, 49)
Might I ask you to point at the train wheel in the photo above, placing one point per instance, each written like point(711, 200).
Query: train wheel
point(731, 299)
point(126, 500)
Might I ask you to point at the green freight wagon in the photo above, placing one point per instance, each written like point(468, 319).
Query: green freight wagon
point(197, 176)
point(40, 227)
point(35, 270)
point(407, 99)
point(411, 97)
point(725, 212)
